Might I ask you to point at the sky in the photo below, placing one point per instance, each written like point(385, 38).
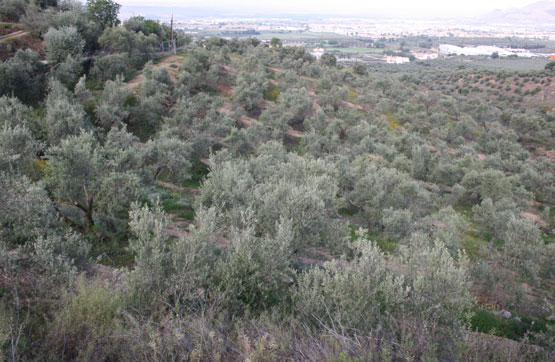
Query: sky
point(343, 7)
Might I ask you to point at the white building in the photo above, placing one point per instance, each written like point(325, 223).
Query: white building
point(447, 49)
point(425, 56)
point(318, 52)
point(396, 60)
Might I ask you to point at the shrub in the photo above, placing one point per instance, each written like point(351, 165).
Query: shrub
point(85, 324)
point(150, 246)
point(271, 93)
point(255, 273)
point(62, 254)
point(426, 287)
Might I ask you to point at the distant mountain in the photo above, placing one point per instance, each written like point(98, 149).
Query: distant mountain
point(538, 13)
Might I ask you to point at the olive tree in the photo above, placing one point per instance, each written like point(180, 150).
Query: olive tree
point(81, 93)
point(276, 185)
point(63, 42)
point(12, 9)
point(379, 188)
point(83, 173)
point(168, 153)
point(14, 113)
point(328, 60)
point(113, 107)
point(109, 66)
point(138, 46)
point(22, 76)
point(68, 71)
point(103, 12)
point(27, 211)
point(18, 149)
point(64, 116)
point(249, 90)
point(255, 271)
point(118, 39)
point(490, 183)
point(251, 275)
point(426, 287)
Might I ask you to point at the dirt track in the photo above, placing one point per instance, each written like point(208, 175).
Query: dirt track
point(165, 63)
point(16, 34)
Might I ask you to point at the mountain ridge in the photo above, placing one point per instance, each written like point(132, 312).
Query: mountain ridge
point(541, 12)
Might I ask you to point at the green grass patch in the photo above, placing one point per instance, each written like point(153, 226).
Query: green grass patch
point(132, 73)
point(271, 93)
point(347, 211)
point(188, 214)
point(142, 129)
point(112, 252)
point(198, 172)
point(178, 203)
point(472, 243)
point(487, 322)
point(94, 83)
point(464, 206)
point(170, 205)
point(385, 244)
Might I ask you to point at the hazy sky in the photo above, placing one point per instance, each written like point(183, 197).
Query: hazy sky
point(344, 7)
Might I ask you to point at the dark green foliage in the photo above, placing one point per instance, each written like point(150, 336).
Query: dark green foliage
point(271, 93)
point(109, 66)
point(23, 69)
point(550, 66)
point(103, 12)
point(275, 42)
point(198, 173)
point(359, 68)
point(328, 59)
point(487, 322)
point(12, 10)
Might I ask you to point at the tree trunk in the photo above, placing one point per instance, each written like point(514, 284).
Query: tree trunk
point(60, 215)
point(88, 209)
point(88, 212)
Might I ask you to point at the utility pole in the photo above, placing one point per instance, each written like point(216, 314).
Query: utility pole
point(171, 38)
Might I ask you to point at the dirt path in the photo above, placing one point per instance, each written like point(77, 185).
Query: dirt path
point(178, 227)
point(174, 187)
point(163, 63)
point(16, 34)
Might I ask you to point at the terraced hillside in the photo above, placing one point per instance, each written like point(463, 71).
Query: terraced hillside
point(243, 202)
